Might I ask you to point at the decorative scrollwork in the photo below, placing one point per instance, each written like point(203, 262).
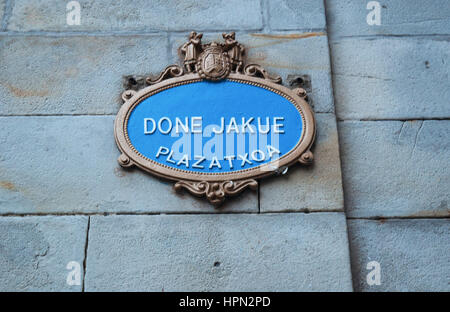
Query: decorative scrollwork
point(301, 93)
point(216, 192)
point(213, 61)
point(124, 161)
point(128, 94)
point(306, 158)
point(170, 72)
point(255, 70)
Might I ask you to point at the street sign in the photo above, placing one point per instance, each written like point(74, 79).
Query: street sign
point(214, 125)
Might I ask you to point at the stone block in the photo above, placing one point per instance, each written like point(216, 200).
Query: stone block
point(72, 75)
point(395, 168)
point(35, 251)
point(227, 252)
point(293, 14)
point(413, 254)
point(140, 15)
point(398, 17)
point(391, 78)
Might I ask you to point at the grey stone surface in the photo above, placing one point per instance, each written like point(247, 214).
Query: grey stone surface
point(69, 165)
point(294, 14)
point(314, 188)
point(34, 252)
point(2, 12)
point(394, 168)
point(285, 54)
point(398, 17)
point(413, 254)
point(138, 15)
point(228, 252)
point(391, 78)
point(72, 75)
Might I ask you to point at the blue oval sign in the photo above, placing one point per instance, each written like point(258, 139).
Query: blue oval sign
point(214, 126)
point(200, 130)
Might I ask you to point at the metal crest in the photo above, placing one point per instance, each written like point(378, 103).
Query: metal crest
point(213, 63)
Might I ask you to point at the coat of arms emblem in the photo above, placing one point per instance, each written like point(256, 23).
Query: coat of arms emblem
point(213, 63)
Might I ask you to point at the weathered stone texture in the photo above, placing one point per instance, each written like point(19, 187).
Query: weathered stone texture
point(69, 164)
point(398, 17)
point(34, 252)
point(73, 75)
point(287, 55)
point(2, 12)
point(394, 168)
point(139, 15)
point(413, 254)
point(309, 188)
point(228, 252)
point(391, 78)
point(294, 14)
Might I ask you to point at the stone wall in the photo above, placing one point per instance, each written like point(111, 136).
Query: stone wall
point(391, 88)
point(64, 198)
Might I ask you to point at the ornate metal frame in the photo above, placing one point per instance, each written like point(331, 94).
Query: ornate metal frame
point(214, 61)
